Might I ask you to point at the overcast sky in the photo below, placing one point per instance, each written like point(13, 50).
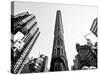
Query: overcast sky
point(77, 20)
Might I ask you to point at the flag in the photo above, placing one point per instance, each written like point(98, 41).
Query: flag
point(93, 28)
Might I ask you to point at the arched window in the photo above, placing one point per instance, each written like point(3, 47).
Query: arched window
point(58, 66)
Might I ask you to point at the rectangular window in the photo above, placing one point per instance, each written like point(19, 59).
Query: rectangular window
point(58, 51)
point(58, 42)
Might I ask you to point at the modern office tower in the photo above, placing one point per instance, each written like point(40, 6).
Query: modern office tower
point(59, 59)
point(15, 21)
point(87, 56)
point(36, 65)
point(23, 40)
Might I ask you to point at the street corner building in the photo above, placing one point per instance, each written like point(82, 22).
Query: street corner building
point(53, 37)
point(59, 59)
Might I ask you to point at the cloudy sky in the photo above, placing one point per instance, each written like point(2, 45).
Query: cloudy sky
point(77, 20)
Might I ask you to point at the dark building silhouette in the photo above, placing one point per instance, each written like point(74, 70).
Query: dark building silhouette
point(87, 56)
point(24, 31)
point(59, 59)
point(36, 65)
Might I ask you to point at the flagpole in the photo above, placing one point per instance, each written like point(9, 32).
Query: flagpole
point(87, 35)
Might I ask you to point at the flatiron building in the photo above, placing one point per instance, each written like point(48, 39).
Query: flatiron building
point(59, 59)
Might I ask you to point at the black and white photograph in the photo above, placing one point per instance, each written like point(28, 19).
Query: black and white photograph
point(50, 37)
